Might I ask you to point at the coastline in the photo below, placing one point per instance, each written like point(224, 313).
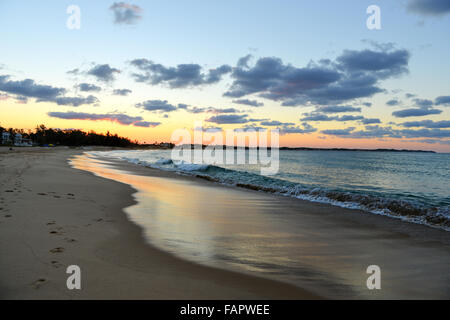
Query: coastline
point(53, 216)
point(332, 245)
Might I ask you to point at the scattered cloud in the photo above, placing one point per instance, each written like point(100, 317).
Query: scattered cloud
point(228, 119)
point(119, 118)
point(305, 128)
point(28, 88)
point(276, 123)
point(86, 87)
point(157, 105)
point(442, 100)
point(429, 7)
point(354, 74)
point(427, 124)
point(181, 76)
point(393, 102)
point(415, 112)
point(125, 13)
point(121, 92)
point(338, 109)
point(103, 72)
point(252, 103)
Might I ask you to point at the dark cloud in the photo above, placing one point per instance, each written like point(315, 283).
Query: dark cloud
point(338, 132)
point(228, 119)
point(252, 103)
point(276, 123)
point(388, 132)
point(409, 95)
point(415, 112)
point(393, 102)
point(75, 101)
point(304, 129)
point(103, 72)
point(370, 121)
point(355, 74)
point(338, 109)
point(125, 13)
point(382, 63)
point(86, 87)
point(429, 7)
point(427, 124)
point(442, 100)
point(29, 88)
point(146, 124)
point(120, 118)
point(157, 105)
point(423, 103)
point(121, 92)
point(367, 104)
point(324, 117)
point(181, 76)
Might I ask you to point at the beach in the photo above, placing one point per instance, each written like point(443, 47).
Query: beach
point(53, 216)
point(136, 233)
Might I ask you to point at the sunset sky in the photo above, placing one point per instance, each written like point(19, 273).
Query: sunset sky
point(312, 69)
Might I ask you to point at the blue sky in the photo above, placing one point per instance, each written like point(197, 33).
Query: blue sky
point(36, 44)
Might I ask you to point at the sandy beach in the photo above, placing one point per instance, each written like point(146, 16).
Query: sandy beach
point(53, 216)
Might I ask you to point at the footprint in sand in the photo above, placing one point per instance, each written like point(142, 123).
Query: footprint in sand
point(51, 223)
point(70, 240)
point(8, 216)
point(38, 283)
point(42, 194)
point(56, 264)
point(9, 190)
point(57, 250)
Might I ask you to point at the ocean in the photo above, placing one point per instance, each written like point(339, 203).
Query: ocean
point(412, 186)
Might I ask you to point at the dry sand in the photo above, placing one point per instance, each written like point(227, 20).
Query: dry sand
point(53, 216)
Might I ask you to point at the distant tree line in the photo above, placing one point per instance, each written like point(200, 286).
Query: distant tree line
point(70, 137)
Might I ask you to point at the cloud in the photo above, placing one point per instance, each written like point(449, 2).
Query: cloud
point(252, 103)
point(324, 117)
point(146, 124)
point(427, 124)
point(338, 132)
point(370, 121)
point(125, 13)
point(103, 72)
point(157, 105)
point(121, 92)
point(387, 132)
point(228, 119)
point(429, 7)
point(442, 100)
point(208, 129)
point(393, 102)
point(119, 118)
point(338, 109)
point(86, 87)
point(28, 88)
point(423, 103)
point(305, 128)
point(276, 123)
point(75, 101)
point(181, 76)
point(413, 112)
point(354, 74)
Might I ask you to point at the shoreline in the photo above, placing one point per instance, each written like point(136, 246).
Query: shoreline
point(356, 238)
point(53, 216)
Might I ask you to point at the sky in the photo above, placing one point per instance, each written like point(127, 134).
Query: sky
point(324, 73)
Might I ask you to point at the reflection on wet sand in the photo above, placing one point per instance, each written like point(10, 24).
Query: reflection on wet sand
point(306, 244)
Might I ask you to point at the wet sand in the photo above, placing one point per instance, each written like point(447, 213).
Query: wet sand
point(53, 216)
point(322, 248)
